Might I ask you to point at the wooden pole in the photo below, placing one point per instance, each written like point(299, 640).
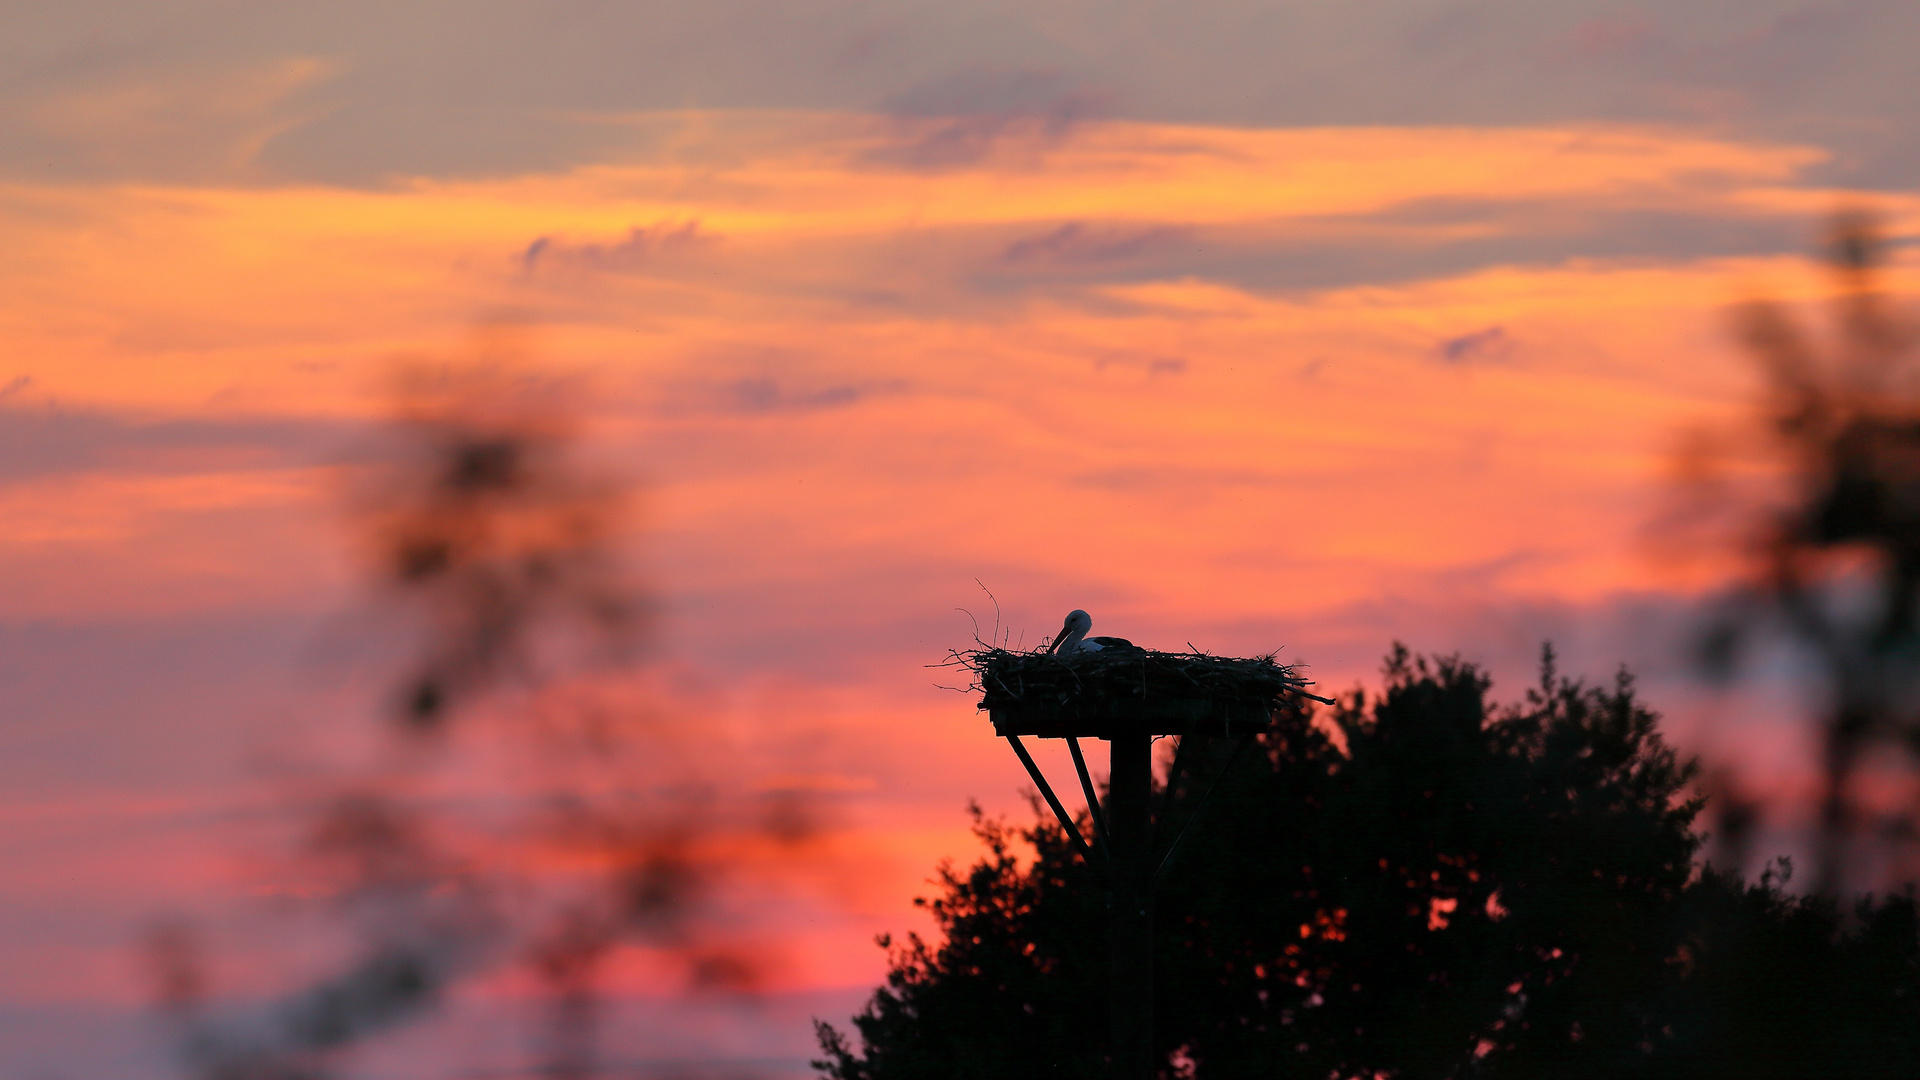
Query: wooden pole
point(1130, 824)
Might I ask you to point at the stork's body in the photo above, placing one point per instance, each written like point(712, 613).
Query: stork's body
point(1073, 637)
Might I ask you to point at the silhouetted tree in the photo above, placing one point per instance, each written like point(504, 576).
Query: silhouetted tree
point(1421, 884)
point(1772, 986)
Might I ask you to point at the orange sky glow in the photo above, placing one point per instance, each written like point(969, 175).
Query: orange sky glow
point(1309, 389)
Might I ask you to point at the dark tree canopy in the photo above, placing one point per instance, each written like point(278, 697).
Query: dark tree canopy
point(1460, 889)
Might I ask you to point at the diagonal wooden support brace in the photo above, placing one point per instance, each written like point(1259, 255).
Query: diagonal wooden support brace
point(1059, 811)
point(1094, 809)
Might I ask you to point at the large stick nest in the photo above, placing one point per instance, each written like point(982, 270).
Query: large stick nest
point(1008, 680)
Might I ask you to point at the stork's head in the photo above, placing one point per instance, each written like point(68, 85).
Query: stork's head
point(1076, 627)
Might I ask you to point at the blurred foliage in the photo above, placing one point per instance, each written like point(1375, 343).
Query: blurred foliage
point(1464, 890)
point(484, 523)
point(495, 546)
point(1835, 563)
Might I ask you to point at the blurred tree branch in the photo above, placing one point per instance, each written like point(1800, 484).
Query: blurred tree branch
point(498, 548)
point(1837, 565)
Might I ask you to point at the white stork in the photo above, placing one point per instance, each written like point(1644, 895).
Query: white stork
point(1073, 636)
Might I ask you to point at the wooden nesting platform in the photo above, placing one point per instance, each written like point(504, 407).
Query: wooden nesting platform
point(1130, 691)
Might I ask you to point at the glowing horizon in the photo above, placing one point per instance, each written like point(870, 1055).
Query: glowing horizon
point(1117, 365)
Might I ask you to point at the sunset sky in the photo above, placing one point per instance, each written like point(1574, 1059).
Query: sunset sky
point(1301, 326)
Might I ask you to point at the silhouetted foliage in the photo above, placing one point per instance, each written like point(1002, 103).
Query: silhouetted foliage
point(1772, 986)
point(1462, 890)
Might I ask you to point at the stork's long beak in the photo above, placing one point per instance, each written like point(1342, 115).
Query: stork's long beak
point(1059, 637)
